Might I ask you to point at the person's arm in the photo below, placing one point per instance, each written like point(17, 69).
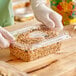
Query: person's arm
point(5, 38)
point(46, 15)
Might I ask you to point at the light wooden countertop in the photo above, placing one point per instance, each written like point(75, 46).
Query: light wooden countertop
point(62, 64)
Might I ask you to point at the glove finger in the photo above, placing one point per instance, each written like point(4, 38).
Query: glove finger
point(7, 35)
point(58, 21)
point(3, 42)
point(59, 26)
point(49, 23)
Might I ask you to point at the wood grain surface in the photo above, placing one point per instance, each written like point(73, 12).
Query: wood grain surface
point(62, 63)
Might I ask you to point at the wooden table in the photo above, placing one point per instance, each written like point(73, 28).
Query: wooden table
point(60, 64)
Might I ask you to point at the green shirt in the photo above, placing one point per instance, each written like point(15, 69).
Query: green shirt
point(6, 13)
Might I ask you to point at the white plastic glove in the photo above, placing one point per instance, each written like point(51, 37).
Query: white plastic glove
point(46, 15)
point(5, 38)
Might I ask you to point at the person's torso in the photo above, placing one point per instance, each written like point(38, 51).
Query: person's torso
point(6, 13)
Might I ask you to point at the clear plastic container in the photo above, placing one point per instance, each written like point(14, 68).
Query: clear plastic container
point(23, 14)
point(20, 3)
point(22, 11)
point(33, 42)
point(67, 8)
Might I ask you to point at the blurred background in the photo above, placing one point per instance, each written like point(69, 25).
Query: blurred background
point(67, 8)
point(23, 11)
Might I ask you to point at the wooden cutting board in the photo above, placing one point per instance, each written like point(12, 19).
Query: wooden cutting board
point(59, 64)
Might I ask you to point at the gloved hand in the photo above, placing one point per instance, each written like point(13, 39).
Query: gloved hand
point(9, 70)
point(5, 38)
point(46, 15)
